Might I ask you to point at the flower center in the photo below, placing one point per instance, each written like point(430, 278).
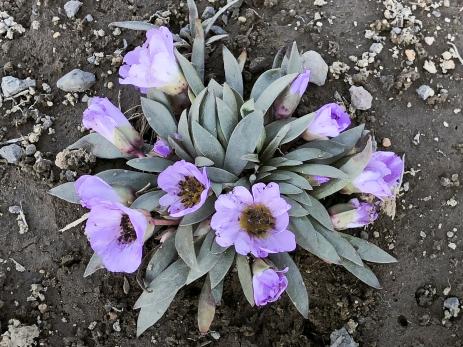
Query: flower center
point(257, 220)
point(128, 234)
point(190, 191)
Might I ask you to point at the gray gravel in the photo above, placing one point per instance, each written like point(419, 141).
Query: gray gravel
point(76, 81)
point(317, 66)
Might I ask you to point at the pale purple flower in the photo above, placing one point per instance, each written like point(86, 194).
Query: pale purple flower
point(254, 223)
point(287, 102)
point(108, 121)
point(161, 148)
point(154, 65)
point(380, 177)
point(329, 121)
point(116, 232)
point(268, 285)
point(186, 186)
point(354, 214)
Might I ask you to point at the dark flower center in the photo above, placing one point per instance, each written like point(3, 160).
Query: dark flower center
point(257, 220)
point(190, 191)
point(128, 234)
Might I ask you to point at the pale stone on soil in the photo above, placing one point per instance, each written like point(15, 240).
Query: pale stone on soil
point(317, 66)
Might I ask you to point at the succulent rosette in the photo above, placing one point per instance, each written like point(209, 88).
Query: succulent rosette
point(107, 120)
point(116, 232)
point(254, 222)
point(186, 188)
point(329, 121)
point(381, 176)
point(354, 214)
point(153, 65)
point(228, 183)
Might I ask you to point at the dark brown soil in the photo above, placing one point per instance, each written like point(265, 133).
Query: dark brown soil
point(387, 318)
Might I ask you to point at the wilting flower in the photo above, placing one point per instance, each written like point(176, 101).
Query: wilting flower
point(329, 121)
point(186, 186)
point(153, 65)
point(116, 232)
point(318, 180)
point(268, 284)
point(108, 121)
point(255, 223)
point(287, 102)
point(161, 148)
point(380, 177)
point(353, 214)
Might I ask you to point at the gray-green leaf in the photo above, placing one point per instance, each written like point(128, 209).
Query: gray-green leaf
point(159, 117)
point(245, 277)
point(148, 201)
point(363, 273)
point(150, 164)
point(221, 268)
point(66, 192)
point(232, 71)
point(207, 145)
point(97, 145)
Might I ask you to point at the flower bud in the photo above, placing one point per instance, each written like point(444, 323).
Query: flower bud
point(287, 102)
point(161, 148)
point(329, 121)
point(154, 65)
point(268, 284)
point(108, 121)
point(353, 214)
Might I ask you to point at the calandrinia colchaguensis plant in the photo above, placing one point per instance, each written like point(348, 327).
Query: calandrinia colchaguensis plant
point(231, 180)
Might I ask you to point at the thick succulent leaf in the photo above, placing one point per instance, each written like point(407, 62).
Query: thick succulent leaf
point(220, 175)
point(294, 61)
point(165, 255)
point(232, 71)
point(217, 249)
point(305, 154)
point(264, 80)
point(184, 132)
point(273, 145)
point(353, 166)
point(278, 59)
point(191, 75)
point(319, 170)
point(206, 259)
point(203, 161)
point(181, 152)
point(221, 268)
point(243, 141)
point(206, 307)
point(296, 290)
point(66, 192)
point(201, 214)
point(129, 179)
point(149, 315)
point(269, 95)
point(274, 127)
point(288, 188)
point(369, 251)
point(296, 180)
point(215, 88)
point(282, 162)
point(247, 108)
point(363, 273)
point(297, 210)
point(207, 145)
point(197, 53)
point(303, 198)
point(159, 117)
point(196, 106)
point(276, 176)
point(230, 99)
point(193, 16)
point(245, 277)
point(166, 284)
point(157, 95)
point(314, 242)
point(342, 246)
point(185, 246)
point(133, 25)
point(148, 201)
point(219, 13)
point(217, 188)
point(208, 113)
point(217, 292)
point(202, 229)
point(94, 264)
point(215, 38)
point(97, 145)
point(227, 118)
point(298, 126)
point(150, 164)
point(319, 213)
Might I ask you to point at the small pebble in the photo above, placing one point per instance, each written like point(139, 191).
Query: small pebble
point(386, 142)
